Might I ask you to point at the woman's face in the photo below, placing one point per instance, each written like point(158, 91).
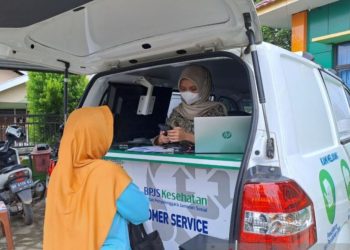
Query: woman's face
point(188, 85)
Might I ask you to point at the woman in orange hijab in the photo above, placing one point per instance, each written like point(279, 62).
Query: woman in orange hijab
point(90, 200)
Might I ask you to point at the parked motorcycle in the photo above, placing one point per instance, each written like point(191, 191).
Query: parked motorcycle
point(17, 189)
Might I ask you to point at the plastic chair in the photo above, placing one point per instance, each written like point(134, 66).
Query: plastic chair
point(6, 225)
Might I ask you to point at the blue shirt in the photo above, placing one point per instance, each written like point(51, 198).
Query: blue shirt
point(132, 206)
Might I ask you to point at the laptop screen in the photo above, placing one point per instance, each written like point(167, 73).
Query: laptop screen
point(224, 134)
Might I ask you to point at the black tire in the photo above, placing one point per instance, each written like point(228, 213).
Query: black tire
point(28, 214)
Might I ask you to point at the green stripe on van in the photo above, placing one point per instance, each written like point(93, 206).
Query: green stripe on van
point(226, 161)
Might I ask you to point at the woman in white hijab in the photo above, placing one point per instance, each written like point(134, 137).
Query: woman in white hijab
point(195, 87)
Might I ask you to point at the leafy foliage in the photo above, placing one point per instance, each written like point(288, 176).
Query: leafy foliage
point(279, 37)
point(276, 36)
point(45, 92)
point(45, 97)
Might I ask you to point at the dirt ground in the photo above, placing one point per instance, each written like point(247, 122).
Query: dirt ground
point(27, 237)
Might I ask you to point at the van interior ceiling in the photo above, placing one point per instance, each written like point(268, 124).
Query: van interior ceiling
point(122, 92)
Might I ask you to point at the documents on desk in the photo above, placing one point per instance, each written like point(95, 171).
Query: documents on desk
point(151, 149)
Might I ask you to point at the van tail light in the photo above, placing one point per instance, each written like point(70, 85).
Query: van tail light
point(276, 215)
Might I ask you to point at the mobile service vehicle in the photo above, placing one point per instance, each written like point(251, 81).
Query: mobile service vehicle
point(290, 186)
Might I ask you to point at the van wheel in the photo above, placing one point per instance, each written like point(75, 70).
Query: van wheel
point(28, 214)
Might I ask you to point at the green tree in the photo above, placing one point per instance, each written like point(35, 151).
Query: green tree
point(45, 97)
point(277, 36)
point(45, 92)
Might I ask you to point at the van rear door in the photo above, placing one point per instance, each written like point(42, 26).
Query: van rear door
point(95, 36)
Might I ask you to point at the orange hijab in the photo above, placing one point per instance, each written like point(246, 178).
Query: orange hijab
point(83, 188)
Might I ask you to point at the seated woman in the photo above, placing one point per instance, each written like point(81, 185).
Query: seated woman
point(195, 85)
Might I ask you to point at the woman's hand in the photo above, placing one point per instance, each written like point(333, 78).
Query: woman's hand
point(162, 138)
point(178, 134)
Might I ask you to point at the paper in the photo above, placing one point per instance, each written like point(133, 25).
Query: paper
point(151, 149)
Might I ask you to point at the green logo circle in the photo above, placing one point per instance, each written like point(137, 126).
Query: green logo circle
point(328, 193)
point(226, 135)
point(346, 175)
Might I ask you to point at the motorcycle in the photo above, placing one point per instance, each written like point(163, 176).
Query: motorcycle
point(17, 189)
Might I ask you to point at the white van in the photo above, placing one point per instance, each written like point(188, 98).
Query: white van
point(289, 189)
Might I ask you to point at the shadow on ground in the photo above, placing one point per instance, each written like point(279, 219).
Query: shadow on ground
point(27, 237)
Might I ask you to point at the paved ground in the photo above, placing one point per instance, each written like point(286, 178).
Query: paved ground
point(27, 237)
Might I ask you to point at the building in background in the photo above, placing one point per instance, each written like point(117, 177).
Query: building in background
point(13, 91)
point(320, 27)
point(13, 101)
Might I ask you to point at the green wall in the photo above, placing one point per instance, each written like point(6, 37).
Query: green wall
point(323, 21)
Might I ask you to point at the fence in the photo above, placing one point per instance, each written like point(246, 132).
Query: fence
point(38, 128)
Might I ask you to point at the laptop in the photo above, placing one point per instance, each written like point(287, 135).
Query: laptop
point(224, 134)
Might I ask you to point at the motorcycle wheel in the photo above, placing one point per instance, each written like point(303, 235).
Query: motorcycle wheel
point(28, 214)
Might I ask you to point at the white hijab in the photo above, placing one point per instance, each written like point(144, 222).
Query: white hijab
point(200, 76)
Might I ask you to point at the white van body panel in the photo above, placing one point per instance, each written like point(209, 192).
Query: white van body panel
point(295, 90)
point(258, 156)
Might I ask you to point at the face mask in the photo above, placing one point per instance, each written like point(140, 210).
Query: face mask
point(190, 97)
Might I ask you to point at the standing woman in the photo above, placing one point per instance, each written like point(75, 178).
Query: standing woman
point(195, 86)
point(90, 200)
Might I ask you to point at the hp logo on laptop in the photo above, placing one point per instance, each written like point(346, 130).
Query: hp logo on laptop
point(226, 135)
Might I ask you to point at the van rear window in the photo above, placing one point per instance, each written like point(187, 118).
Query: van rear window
point(339, 101)
point(147, 101)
